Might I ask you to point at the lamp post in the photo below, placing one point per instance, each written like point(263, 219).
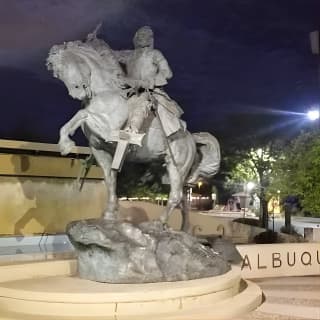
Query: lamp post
point(247, 189)
point(315, 49)
point(275, 202)
point(199, 184)
point(273, 205)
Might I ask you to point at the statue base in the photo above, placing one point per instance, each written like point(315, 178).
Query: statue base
point(119, 252)
point(49, 290)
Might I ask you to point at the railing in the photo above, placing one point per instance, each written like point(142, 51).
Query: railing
point(38, 147)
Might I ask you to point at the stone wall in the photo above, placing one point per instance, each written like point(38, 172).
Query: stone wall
point(280, 260)
point(40, 194)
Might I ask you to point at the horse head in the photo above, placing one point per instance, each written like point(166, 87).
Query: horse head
point(87, 68)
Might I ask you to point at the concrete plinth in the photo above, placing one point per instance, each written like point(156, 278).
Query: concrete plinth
point(49, 290)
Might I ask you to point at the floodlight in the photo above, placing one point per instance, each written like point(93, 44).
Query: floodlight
point(313, 114)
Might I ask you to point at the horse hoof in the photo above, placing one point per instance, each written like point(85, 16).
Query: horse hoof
point(109, 216)
point(163, 219)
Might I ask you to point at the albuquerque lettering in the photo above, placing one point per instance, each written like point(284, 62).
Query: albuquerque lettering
point(277, 260)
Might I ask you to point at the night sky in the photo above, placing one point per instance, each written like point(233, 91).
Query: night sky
point(229, 57)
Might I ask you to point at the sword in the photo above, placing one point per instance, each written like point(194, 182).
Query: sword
point(123, 139)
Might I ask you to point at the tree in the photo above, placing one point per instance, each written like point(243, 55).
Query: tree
point(298, 172)
point(256, 163)
point(140, 180)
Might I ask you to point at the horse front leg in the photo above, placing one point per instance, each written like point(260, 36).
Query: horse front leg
point(112, 206)
point(104, 160)
point(185, 212)
point(176, 194)
point(65, 143)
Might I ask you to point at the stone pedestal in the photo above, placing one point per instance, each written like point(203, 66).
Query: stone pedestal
point(49, 290)
point(120, 252)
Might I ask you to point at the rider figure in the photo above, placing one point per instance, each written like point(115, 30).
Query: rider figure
point(147, 71)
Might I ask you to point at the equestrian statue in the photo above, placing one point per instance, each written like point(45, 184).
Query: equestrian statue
point(127, 116)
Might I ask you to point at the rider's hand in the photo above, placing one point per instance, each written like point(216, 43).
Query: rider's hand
point(147, 84)
point(128, 82)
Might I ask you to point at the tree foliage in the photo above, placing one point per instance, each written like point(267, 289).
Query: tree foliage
point(141, 180)
point(298, 172)
point(255, 162)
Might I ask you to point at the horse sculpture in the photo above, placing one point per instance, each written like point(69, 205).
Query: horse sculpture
point(93, 75)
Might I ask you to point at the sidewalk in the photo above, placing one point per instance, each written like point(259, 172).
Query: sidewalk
point(293, 298)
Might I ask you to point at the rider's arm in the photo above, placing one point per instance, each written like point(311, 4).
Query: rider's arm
point(122, 55)
point(164, 71)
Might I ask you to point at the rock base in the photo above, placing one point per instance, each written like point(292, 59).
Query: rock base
point(119, 252)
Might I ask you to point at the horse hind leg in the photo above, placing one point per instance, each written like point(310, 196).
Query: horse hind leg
point(104, 160)
point(183, 151)
point(175, 195)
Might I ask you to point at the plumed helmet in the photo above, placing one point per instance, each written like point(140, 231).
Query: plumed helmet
point(143, 37)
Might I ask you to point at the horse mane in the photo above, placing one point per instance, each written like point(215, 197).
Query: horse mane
point(104, 67)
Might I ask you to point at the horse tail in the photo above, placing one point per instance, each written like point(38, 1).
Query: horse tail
point(207, 162)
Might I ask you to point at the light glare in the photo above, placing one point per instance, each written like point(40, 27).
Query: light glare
point(250, 185)
point(313, 115)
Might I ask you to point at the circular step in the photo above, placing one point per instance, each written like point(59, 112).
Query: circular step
point(64, 296)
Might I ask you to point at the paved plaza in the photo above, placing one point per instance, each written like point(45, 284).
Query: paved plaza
point(291, 298)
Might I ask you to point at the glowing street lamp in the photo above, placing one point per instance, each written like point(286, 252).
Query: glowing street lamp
point(313, 114)
point(250, 186)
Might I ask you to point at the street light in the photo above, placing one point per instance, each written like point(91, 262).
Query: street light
point(315, 49)
point(250, 186)
point(275, 203)
point(247, 189)
point(313, 114)
point(199, 184)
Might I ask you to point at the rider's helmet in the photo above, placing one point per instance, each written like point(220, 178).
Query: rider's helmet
point(143, 38)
